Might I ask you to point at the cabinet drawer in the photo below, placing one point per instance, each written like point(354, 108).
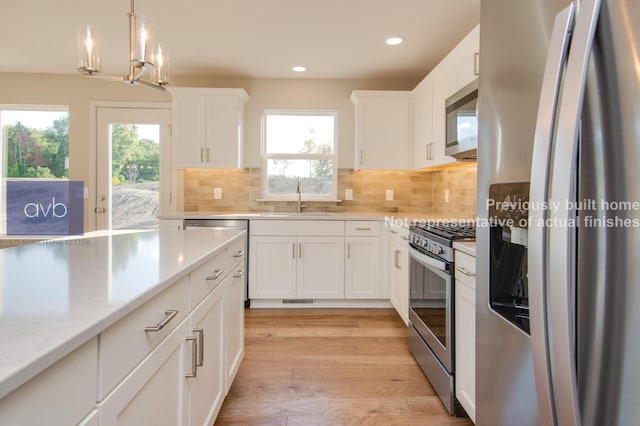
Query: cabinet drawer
point(211, 274)
point(362, 228)
point(236, 251)
point(298, 227)
point(126, 343)
point(465, 268)
point(398, 233)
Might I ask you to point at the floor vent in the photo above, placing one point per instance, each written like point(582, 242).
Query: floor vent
point(297, 301)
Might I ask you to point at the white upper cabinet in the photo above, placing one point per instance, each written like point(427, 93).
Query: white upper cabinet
point(456, 70)
point(384, 129)
point(208, 127)
point(468, 58)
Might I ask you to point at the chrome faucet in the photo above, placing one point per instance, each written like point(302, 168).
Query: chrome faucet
point(299, 191)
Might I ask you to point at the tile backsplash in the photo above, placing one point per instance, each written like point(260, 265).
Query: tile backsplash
point(415, 192)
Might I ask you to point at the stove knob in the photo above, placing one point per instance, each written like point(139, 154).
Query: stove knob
point(438, 250)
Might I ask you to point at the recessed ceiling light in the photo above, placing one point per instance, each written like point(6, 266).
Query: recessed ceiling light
point(394, 41)
point(299, 69)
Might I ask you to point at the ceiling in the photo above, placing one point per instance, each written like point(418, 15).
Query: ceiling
point(334, 39)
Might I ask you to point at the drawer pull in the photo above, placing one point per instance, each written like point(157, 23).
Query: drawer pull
point(393, 231)
point(239, 254)
point(168, 316)
point(396, 257)
point(215, 275)
point(239, 274)
point(363, 229)
point(464, 271)
point(194, 359)
point(200, 344)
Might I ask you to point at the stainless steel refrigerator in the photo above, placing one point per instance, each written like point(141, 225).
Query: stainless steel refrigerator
point(558, 293)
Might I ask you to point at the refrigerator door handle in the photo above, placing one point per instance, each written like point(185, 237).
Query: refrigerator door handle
point(540, 169)
point(562, 258)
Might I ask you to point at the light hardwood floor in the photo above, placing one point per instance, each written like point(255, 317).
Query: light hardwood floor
point(330, 367)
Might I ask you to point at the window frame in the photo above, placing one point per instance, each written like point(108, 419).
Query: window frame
point(332, 197)
point(4, 150)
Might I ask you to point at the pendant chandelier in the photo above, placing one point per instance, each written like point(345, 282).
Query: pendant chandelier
point(145, 56)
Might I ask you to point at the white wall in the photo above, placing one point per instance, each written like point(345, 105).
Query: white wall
point(78, 92)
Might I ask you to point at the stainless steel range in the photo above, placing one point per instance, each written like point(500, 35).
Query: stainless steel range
point(431, 310)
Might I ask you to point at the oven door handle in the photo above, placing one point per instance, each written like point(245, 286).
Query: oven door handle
point(428, 261)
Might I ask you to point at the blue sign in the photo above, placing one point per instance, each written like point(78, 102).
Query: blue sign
point(45, 207)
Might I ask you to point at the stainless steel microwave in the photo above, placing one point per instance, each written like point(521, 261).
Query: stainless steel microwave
point(462, 122)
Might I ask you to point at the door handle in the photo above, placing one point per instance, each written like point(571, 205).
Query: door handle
point(538, 192)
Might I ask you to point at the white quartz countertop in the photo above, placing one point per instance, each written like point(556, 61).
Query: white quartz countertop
point(468, 247)
point(57, 295)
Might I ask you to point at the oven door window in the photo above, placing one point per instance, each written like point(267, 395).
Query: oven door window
point(429, 294)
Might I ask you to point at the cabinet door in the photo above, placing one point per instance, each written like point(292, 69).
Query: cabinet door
point(234, 323)
point(223, 132)
point(424, 141)
point(362, 268)
point(153, 392)
point(207, 390)
point(272, 267)
point(383, 130)
point(465, 339)
point(468, 58)
point(188, 147)
point(399, 271)
point(320, 269)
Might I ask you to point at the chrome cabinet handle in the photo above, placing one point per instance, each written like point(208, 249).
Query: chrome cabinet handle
point(363, 229)
point(202, 155)
point(397, 262)
point(348, 250)
point(393, 231)
point(208, 155)
point(239, 253)
point(168, 316)
point(215, 275)
point(239, 274)
point(464, 271)
point(200, 345)
point(293, 250)
point(300, 250)
point(194, 359)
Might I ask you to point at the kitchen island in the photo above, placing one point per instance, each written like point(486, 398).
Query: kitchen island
point(59, 296)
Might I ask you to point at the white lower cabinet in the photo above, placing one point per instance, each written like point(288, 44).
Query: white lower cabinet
point(465, 332)
point(61, 395)
point(234, 323)
point(153, 392)
point(207, 388)
point(296, 267)
point(399, 271)
point(362, 275)
point(320, 270)
point(184, 380)
point(272, 267)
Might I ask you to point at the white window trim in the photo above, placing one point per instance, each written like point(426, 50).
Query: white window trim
point(334, 157)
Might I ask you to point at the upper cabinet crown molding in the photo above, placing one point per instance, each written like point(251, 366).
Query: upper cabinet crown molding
point(456, 70)
point(208, 127)
point(384, 129)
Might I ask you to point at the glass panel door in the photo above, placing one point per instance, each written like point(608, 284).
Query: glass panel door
point(129, 167)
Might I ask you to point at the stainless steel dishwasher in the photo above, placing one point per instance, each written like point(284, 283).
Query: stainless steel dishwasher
point(213, 224)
